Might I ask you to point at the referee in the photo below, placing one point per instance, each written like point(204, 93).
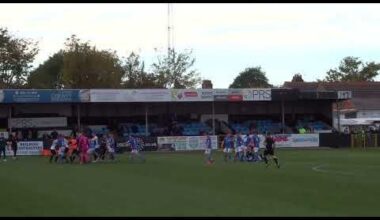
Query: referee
point(3, 144)
point(269, 150)
point(12, 141)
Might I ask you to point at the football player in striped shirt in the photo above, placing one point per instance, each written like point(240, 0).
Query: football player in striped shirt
point(228, 146)
point(239, 147)
point(133, 142)
point(208, 150)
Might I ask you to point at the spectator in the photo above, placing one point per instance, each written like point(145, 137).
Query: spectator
point(73, 132)
point(34, 134)
point(30, 134)
point(12, 142)
point(134, 129)
point(45, 141)
point(19, 135)
point(302, 130)
point(346, 130)
point(24, 134)
point(54, 134)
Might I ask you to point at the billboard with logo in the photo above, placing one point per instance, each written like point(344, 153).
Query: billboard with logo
point(195, 95)
point(149, 95)
point(188, 143)
point(130, 95)
point(39, 96)
point(27, 148)
point(230, 95)
point(257, 94)
point(133, 95)
point(293, 140)
point(344, 94)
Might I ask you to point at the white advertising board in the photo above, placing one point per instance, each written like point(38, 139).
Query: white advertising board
point(262, 94)
point(5, 134)
point(293, 140)
point(130, 95)
point(195, 95)
point(27, 148)
point(38, 122)
point(344, 94)
point(188, 143)
point(66, 133)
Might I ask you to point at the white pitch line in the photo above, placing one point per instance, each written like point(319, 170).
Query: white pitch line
point(318, 169)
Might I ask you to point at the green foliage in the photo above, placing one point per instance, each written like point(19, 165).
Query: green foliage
point(84, 66)
point(48, 75)
point(135, 75)
point(297, 78)
point(252, 77)
point(81, 65)
point(16, 56)
point(175, 70)
point(351, 69)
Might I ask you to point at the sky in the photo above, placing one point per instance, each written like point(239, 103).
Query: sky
point(283, 39)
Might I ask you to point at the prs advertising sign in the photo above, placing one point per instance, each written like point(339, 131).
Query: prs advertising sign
point(242, 95)
point(257, 94)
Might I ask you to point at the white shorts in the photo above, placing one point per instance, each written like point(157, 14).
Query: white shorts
point(90, 150)
point(134, 151)
point(255, 149)
point(227, 150)
point(110, 149)
point(61, 151)
point(208, 151)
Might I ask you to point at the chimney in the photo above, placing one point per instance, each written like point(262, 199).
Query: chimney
point(206, 84)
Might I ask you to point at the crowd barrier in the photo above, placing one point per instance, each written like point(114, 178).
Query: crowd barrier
point(365, 140)
point(288, 140)
point(149, 144)
point(335, 140)
point(189, 143)
point(339, 140)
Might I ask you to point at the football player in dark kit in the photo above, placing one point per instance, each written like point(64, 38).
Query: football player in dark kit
point(269, 150)
point(3, 144)
point(12, 142)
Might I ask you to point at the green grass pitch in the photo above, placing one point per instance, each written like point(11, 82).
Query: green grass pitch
point(311, 182)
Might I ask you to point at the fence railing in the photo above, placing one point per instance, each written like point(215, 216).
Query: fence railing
point(364, 140)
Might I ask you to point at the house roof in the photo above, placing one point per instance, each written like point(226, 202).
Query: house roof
point(365, 95)
point(353, 86)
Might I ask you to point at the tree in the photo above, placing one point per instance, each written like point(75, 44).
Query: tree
point(351, 69)
point(174, 70)
point(297, 78)
point(84, 66)
point(135, 75)
point(49, 74)
point(252, 77)
point(16, 56)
